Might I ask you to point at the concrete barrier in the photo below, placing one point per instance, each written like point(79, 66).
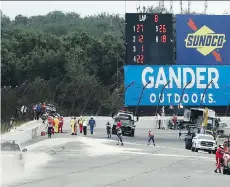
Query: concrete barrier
point(33, 129)
point(26, 132)
point(148, 122)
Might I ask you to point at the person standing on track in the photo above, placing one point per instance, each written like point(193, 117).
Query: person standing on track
point(49, 129)
point(219, 157)
point(108, 129)
point(151, 137)
point(61, 121)
point(119, 135)
point(56, 124)
point(119, 132)
point(72, 125)
point(92, 124)
point(80, 123)
point(38, 111)
point(119, 124)
point(85, 123)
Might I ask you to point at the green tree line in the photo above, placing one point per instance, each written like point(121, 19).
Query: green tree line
point(83, 51)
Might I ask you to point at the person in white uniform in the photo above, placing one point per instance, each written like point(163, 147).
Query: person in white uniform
point(85, 123)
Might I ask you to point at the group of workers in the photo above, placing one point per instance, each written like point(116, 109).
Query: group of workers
point(118, 130)
point(55, 124)
point(38, 110)
point(82, 124)
point(119, 133)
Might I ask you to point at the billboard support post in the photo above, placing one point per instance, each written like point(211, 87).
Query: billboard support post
point(161, 96)
point(226, 113)
point(205, 92)
point(141, 96)
point(182, 94)
point(128, 86)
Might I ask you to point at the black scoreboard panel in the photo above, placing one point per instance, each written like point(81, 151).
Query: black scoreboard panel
point(149, 39)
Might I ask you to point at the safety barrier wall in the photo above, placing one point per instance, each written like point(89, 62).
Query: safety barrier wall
point(33, 129)
point(26, 132)
point(144, 122)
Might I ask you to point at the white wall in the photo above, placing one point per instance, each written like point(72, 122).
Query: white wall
point(33, 129)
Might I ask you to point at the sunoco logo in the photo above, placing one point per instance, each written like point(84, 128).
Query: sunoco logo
point(205, 40)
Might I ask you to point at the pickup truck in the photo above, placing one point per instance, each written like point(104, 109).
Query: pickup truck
point(204, 142)
point(128, 121)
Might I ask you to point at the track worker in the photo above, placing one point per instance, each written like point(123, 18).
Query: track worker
point(119, 124)
point(92, 124)
point(119, 135)
point(151, 137)
point(73, 127)
point(49, 129)
point(108, 129)
point(219, 157)
point(80, 123)
point(56, 124)
point(85, 123)
point(61, 122)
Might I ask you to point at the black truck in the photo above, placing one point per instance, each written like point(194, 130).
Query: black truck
point(128, 123)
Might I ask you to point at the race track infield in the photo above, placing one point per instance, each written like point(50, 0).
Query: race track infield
point(95, 161)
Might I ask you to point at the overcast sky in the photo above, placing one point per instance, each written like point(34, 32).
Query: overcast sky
point(31, 8)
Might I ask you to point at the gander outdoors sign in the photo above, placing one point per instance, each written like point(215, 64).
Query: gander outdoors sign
point(203, 39)
point(217, 94)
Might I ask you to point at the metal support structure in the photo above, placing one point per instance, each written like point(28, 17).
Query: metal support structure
point(106, 96)
point(162, 4)
point(182, 94)
point(75, 97)
point(66, 92)
point(89, 97)
point(138, 7)
point(189, 6)
point(226, 113)
point(141, 97)
point(205, 6)
point(201, 101)
point(171, 6)
point(161, 97)
point(57, 89)
point(181, 6)
point(130, 84)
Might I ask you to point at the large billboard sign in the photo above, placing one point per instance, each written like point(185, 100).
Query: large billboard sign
point(198, 77)
point(203, 39)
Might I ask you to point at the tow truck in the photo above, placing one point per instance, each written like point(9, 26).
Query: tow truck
point(195, 116)
point(128, 121)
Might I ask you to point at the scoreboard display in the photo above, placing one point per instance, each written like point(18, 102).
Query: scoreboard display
point(149, 39)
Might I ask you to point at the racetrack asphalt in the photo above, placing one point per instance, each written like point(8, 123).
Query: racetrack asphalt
point(95, 161)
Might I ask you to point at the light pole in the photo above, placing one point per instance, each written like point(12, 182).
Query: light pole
point(141, 96)
point(201, 101)
point(161, 97)
point(182, 94)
